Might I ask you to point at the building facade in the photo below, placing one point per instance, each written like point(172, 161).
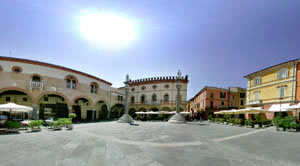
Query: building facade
point(156, 94)
point(212, 99)
point(274, 86)
point(55, 91)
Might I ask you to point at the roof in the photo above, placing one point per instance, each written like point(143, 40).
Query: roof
point(271, 67)
point(209, 87)
point(12, 59)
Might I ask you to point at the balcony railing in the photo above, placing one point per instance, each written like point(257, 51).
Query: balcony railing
point(36, 85)
point(254, 102)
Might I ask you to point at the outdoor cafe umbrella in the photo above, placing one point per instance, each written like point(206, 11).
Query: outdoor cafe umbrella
point(12, 107)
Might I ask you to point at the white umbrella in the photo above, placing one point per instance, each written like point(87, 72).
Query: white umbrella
point(293, 107)
point(140, 112)
point(12, 107)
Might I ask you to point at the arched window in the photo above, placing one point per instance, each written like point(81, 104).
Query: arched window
point(71, 82)
point(166, 98)
point(154, 97)
point(94, 87)
point(143, 99)
point(1, 68)
point(132, 100)
point(211, 95)
point(36, 79)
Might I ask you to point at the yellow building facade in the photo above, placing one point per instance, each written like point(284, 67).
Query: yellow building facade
point(273, 85)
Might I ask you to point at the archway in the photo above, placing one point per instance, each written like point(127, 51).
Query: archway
point(117, 111)
point(102, 110)
point(132, 112)
point(17, 97)
point(52, 106)
point(83, 109)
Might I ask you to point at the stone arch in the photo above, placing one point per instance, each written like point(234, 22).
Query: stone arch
point(54, 93)
point(72, 77)
point(117, 111)
point(131, 112)
point(166, 109)
point(100, 101)
point(33, 99)
point(53, 105)
point(83, 97)
point(155, 109)
point(101, 110)
point(142, 109)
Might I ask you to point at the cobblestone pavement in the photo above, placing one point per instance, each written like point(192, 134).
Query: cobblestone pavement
point(152, 144)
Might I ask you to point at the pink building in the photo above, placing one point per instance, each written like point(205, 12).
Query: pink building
point(211, 99)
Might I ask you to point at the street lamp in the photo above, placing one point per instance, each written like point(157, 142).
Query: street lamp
point(178, 118)
point(126, 118)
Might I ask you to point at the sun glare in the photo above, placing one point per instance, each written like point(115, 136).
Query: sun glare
point(107, 30)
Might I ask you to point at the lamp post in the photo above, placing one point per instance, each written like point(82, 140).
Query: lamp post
point(126, 118)
point(177, 118)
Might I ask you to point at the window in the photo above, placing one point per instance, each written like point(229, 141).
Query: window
point(154, 97)
point(120, 98)
point(166, 86)
point(7, 98)
point(143, 87)
point(16, 69)
point(256, 95)
point(283, 73)
point(24, 99)
point(211, 104)
point(132, 89)
point(36, 79)
point(154, 87)
point(94, 87)
point(281, 91)
point(222, 95)
point(242, 95)
point(143, 98)
point(71, 82)
point(68, 83)
point(257, 80)
point(242, 102)
point(222, 103)
point(166, 98)
point(132, 99)
point(46, 98)
point(211, 95)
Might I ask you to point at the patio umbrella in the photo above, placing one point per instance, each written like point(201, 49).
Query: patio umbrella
point(140, 112)
point(12, 107)
point(293, 107)
point(254, 110)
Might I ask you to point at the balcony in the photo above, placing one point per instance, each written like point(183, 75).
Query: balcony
point(254, 102)
point(36, 85)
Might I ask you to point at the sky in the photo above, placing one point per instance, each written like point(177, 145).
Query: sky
point(214, 42)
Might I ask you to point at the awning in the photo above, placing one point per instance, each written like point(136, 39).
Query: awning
point(293, 107)
point(279, 107)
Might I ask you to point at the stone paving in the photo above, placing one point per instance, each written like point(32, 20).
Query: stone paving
point(152, 144)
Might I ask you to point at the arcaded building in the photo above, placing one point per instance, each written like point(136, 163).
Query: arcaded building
point(55, 91)
point(156, 94)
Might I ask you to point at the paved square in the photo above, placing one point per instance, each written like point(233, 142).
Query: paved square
point(152, 144)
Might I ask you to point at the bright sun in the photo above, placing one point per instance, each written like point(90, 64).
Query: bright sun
point(107, 30)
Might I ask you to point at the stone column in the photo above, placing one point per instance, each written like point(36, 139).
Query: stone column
point(126, 118)
point(35, 111)
point(178, 118)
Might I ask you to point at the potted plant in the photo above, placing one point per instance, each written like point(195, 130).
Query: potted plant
point(69, 124)
point(294, 126)
point(287, 121)
point(277, 121)
point(56, 125)
point(35, 125)
point(249, 123)
point(13, 126)
point(210, 117)
point(231, 122)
